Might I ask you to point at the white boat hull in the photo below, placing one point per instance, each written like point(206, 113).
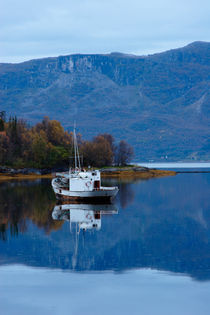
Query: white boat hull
point(103, 193)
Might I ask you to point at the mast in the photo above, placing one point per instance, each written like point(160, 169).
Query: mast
point(76, 150)
point(75, 153)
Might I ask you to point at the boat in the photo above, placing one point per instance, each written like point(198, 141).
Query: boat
point(80, 184)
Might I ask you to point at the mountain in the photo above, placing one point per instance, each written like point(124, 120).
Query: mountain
point(159, 103)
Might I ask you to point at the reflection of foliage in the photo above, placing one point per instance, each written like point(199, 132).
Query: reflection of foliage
point(22, 201)
point(3, 232)
point(126, 194)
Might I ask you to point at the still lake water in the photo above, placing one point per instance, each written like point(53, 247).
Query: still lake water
point(148, 253)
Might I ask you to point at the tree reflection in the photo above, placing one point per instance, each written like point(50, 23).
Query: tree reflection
point(3, 233)
point(21, 202)
point(126, 192)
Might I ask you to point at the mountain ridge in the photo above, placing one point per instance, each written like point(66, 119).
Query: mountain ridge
point(159, 103)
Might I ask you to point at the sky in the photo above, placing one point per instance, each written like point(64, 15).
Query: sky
point(43, 28)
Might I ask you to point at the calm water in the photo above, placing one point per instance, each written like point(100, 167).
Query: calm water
point(178, 165)
point(148, 253)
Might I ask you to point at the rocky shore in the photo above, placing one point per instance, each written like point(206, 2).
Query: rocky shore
point(7, 173)
point(135, 172)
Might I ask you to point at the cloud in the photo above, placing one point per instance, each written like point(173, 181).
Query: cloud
point(48, 28)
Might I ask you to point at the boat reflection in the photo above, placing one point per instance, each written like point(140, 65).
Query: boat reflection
point(85, 216)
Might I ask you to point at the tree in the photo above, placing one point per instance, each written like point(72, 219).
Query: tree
point(109, 138)
point(18, 133)
point(57, 156)
point(4, 145)
point(2, 120)
point(47, 145)
point(39, 150)
point(55, 132)
point(97, 152)
point(124, 153)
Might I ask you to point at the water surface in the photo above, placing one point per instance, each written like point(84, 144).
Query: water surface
point(177, 165)
point(147, 253)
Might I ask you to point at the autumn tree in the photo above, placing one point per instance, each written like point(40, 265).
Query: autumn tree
point(48, 145)
point(110, 140)
point(58, 143)
point(39, 150)
point(53, 130)
point(17, 131)
point(124, 153)
point(97, 152)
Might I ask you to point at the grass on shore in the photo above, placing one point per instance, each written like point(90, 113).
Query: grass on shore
point(5, 176)
point(138, 174)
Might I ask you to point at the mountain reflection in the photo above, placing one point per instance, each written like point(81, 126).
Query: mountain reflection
point(162, 224)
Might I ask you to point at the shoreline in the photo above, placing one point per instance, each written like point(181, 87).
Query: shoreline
point(5, 176)
point(135, 173)
point(121, 173)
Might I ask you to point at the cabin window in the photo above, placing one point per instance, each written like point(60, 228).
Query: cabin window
point(97, 215)
point(97, 184)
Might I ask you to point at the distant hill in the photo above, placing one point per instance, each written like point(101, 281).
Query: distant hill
point(159, 103)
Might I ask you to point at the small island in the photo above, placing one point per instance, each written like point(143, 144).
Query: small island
point(30, 152)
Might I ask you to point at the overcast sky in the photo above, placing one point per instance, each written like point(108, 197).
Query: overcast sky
point(42, 28)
